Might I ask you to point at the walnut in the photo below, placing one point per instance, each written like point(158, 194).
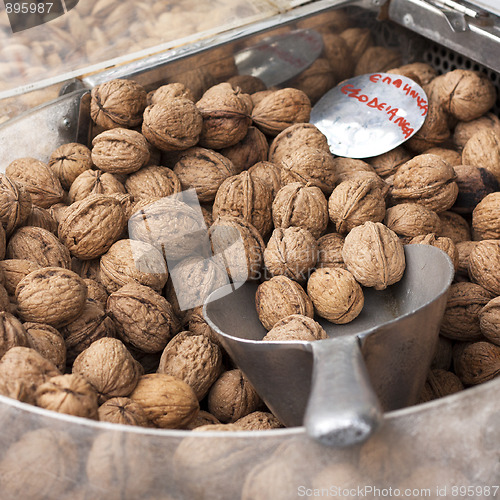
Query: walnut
point(259, 96)
point(165, 93)
point(253, 148)
point(443, 354)
point(330, 251)
point(278, 298)
point(346, 167)
point(168, 402)
point(38, 179)
point(170, 225)
point(485, 223)
point(374, 255)
point(87, 268)
point(258, 421)
point(464, 248)
point(337, 53)
point(94, 182)
point(225, 117)
point(40, 217)
point(117, 103)
point(461, 317)
point(316, 80)
point(358, 40)
point(15, 204)
point(269, 174)
point(247, 83)
point(109, 367)
point(441, 242)
point(42, 463)
point(241, 245)
point(51, 295)
point(294, 138)
point(142, 316)
point(47, 341)
point(198, 325)
point(279, 110)
point(454, 226)
point(484, 265)
point(450, 156)
point(194, 359)
point(301, 206)
point(291, 252)
point(474, 183)
point(133, 261)
point(232, 397)
point(245, 197)
point(309, 166)
point(195, 278)
point(488, 321)
point(172, 125)
point(120, 151)
point(152, 181)
point(12, 333)
point(440, 383)
point(70, 394)
point(204, 418)
point(69, 161)
point(427, 180)
point(92, 324)
point(96, 292)
point(5, 304)
point(469, 94)
point(124, 411)
point(387, 163)
point(408, 220)
point(465, 130)
point(354, 202)
point(26, 367)
point(39, 246)
point(196, 80)
point(204, 170)
point(477, 363)
point(14, 270)
point(377, 59)
point(483, 150)
point(56, 211)
point(296, 327)
point(421, 72)
point(90, 226)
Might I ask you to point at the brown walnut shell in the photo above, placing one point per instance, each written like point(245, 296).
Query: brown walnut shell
point(253, 148)
point(410, 219)
point(477, 363)
point(421, 72)
point(269, 174)
point(454, 226)
point(152, 181)
point(15, 204)
point(295, 327)
point(124, 411)
point(441, 242)
point(387, 163)
point(485, 218)
point(47, 341)
point(483, 150)
point(377, 59)
point(69, 161)
point(337, 53)
point(95, 182)
point(41, 217)
point(330, 251)
point(440, 383)
point(14, 270)
point(450, 156)
point(484, 265)
point(358, 40)
point(316, 80)
point(170, 91)
point(465, 130)
point(488, 321)
point(12, 333)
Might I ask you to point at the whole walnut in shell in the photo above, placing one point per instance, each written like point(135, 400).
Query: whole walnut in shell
point(153, 181)
point(483, 150)
point(358, 40)
point(204, 170)
point(485, 218)
point(280, 297)
point(464, 248)
point(301, 206)
point(309, 166)
point(294, 138)
point(245, 197)
point(40, 217)
point(335, 294)
point(427, 180)
point(194, 359)
point(421, 72)
point(474, 184)
point(241, 245)
point(467, 94)
point(477, 363)
point(168, 402)
point(337, 53)
point(109, 367)
point(291, 252)
point(38, 179)
point(354, 202)
point(269, 174)
point(170, 91)
point(95, 182)
point(295, 327)
point(69, 161)
point(225, 116)
point(441, 242)
point(330, 250)
point(172, 125)
point(316, 80)
point(70, 394)
point(15, 204)
point(279, 110)
point(232, 397)
point(124, 411)
point(133, 261)
point(410, 219)
point(96, 292)
point(387, 163)
point(484, 265)
point(47, 341)
point(39, 246)
point(488, 321)
point(12, 333)
point(117, 103)
point(253, 148)
point(454, 226)
point(377, 59)
point(440, 383)
point(465, 130)
point(51, 295)
point(142, 317)
point(120, 151)
point(14, 270)
point(374, 255)
point(347, 167)
point(450, 156)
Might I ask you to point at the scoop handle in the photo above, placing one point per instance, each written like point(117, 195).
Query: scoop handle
point(342, 409)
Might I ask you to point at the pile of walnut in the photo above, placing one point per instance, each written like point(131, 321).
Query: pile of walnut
point(91, 325)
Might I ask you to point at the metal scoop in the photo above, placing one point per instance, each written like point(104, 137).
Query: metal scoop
point(339, 387)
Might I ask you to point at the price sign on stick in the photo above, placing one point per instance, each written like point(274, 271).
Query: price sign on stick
point(370, 114)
